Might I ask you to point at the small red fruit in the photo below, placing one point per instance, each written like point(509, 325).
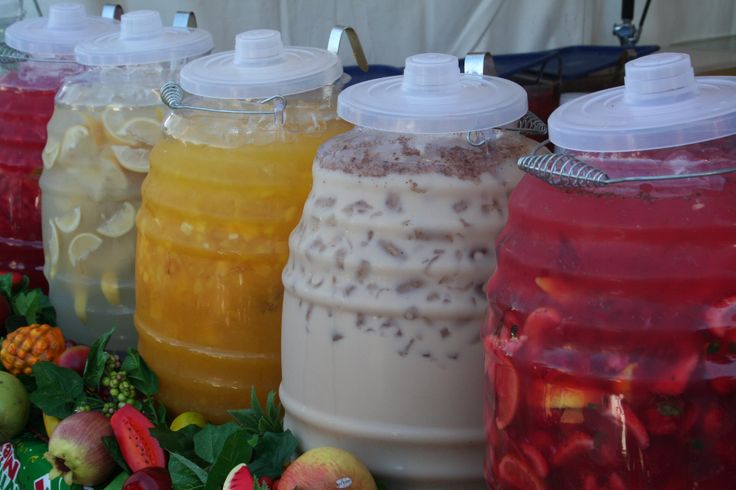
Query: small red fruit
point(513, 471)
point(140, 449)
point(152, 478)
point(74, 358)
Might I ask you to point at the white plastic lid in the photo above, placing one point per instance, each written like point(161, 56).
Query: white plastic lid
point(260, 66)
point(56, 35)
point(143, 39)
point(661, 105)
point(433, 97)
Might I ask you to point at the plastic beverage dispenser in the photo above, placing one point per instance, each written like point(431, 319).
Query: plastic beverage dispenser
point(226, 185)
point(37, 58)
point(105, 123)
point(611, 339)
point(384, 298)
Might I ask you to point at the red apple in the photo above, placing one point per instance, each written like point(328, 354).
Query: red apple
point(74, 357)
point(151, 478)
point(326, 468)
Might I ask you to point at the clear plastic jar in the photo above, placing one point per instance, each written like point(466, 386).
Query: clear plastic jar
point(223, 194)
point(384, 285)
point(27, 88)
point(105, 123)
point(611, 336)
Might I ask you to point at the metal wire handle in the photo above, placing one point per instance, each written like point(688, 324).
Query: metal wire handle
point(528, 124)
point(333, 44)
point(172, 95)
point(568, 172)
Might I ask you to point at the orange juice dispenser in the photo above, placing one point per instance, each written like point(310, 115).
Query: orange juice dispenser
point(38, 56)
point(105, 123)
point(226, 186)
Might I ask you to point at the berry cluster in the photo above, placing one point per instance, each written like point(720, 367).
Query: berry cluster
point(116, 388)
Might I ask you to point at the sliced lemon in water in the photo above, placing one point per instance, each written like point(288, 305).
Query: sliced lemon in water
point(73, 138)
point(133, 159)
point(80, 304)
point(50, 152)
point(109, 286)
point(69, 221)
point(53, 249)
point(82, 246)
point(141, 130)
point(120, 223)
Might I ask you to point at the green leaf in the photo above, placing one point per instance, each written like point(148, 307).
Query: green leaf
point(179, 442)
point(58, 390)
point(209, 441)
point(111, 444)
point(255, 420)
point(96, 359)
point(155, 411)
point(139, 374)
point(28, 304)
point(185, 474)
point(234, 451)
point(6, 285)
point(272, 453)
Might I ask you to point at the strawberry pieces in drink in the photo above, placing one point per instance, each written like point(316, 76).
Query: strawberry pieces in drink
point(673, 380)
point(721, 318)
point(535, 459)
point(536, 328)
point(506, 384)
point(516, 473)
point(659, 423)
point(575, 445)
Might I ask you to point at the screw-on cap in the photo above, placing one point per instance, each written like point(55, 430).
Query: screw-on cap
point(143, 39)
point(662, 104)
point(433, 97)
point(260, 66)
point(56, 34)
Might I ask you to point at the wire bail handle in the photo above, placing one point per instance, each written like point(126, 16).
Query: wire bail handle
point(172, 95)
point(481, 63)
point(333, 44)
point(567, 172)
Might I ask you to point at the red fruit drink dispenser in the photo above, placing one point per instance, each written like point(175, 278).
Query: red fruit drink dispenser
point(611, 338)
point(39, 55)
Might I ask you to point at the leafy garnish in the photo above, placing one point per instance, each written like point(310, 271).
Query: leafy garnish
point(232, 453)
point(139, 373)
point(28, 306)
point(273, 452)
point(185, 474)
point(96, 359)
point(254, 420)
point(209, 441)
point(179, 442)
point(155, 411)
point(113, 448)
point(58, 390)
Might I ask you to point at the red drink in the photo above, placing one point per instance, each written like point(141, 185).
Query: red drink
point(611, 339)
point(25, 109)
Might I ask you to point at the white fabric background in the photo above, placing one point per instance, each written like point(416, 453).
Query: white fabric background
point(390, 30)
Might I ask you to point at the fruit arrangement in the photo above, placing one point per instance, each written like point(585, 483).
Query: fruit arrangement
point(79, 415)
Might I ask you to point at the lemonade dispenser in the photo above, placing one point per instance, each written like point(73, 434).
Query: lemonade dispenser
point(38, 56)
point(383, 299)
point(611, 339)
point(105, 122)
point(226, 185)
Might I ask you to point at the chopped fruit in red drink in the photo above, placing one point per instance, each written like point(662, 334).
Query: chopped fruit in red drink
point(675, 379)
point(615, 482)
point(514, 472)
point(721, 318)
point(559, 396)
point(577, 444)
point(536, 459)
point(663, 419)
point(506, 384)
point(590, 482)
point(716, 421)
point(557, 289)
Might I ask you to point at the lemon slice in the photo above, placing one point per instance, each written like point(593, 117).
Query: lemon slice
point(80, 304)
point(82, 246)
point(53, 249)
point(73, 138)
point(50, 152)
point(119, 223)
point(142, 130)
point(133, 159)
point(109, 286)
point(69, 221)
